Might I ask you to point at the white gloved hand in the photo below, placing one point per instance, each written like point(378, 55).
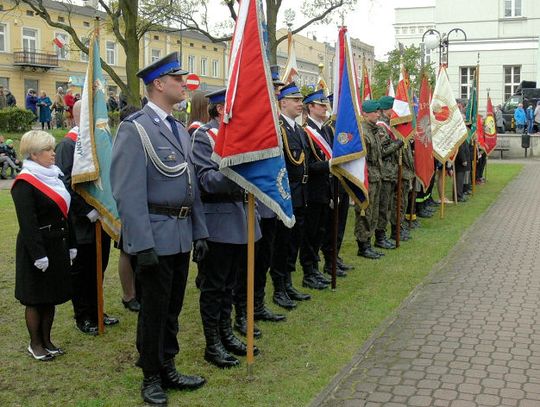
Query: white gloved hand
point(93, 215)
point(42, 263)
point(72, 254)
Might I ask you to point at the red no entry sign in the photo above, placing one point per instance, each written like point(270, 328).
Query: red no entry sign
point(192, 81)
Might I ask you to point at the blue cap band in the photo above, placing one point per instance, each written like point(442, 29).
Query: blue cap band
point(160, 71)
point(288, 91)
point(216, 99)
point(316, 97)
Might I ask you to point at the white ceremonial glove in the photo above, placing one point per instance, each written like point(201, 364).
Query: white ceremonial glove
point(93, 215)
point(42, 263)
point(72, 254)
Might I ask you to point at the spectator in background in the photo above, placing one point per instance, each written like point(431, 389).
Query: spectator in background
point(59, 107)
point(529, 113)
point(10, 99)
point(123, 100)
point(112, 104)
point(45, 242)
point(520, 118)
point(77, 97)
point(3, 101)
point(198, 111)
point(44, 102)
point(69, 101)
point(31, 102)
point(5, 160)
point(499, 121)
point(537, 116)
point(9, 150)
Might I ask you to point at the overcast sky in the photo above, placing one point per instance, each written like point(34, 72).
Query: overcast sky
point(371, 21)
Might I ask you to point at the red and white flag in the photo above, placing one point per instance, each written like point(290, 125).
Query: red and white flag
point(59, 41)
point(365, 91)
point(390, 89)
point(402, 112)
point(423, 147)
point(291, 69)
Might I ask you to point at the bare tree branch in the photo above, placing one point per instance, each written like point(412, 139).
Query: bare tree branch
point(115, 20)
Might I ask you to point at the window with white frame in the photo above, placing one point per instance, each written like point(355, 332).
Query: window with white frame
point(155, 54)
point(512, 78)
point(466, 76)
point(29, 39)
point(215, 68)
point(86, 42)
point(4, 82)
point(191, 63)
point(204, 66)
point(110, 47)
point(512, 8)
point(3, 38)
point(62, 50)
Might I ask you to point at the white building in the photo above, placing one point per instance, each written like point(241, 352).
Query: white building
point(504, 34)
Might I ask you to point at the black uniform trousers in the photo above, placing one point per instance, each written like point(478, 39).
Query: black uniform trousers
point(287, 244)
point(343, 211)
point(218, 274)
point(314, 230)
point(263, 257)
point(161, 293)
point(84, 278)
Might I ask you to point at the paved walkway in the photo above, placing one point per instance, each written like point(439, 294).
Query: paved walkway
point(471, 335)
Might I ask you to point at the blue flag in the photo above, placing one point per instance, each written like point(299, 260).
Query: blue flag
point(93, 149)
point(348, 161)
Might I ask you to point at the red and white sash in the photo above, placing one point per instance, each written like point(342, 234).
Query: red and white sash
point(387, 128)
point(320, 141)
point(73, 133)
point(58, 199)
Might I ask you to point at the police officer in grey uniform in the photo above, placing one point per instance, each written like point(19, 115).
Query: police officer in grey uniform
point(155, 187)
point(225, 208)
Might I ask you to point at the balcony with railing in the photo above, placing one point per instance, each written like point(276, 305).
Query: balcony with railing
point(35, 59)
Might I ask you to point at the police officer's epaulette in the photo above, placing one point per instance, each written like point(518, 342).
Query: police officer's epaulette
point(133, 116)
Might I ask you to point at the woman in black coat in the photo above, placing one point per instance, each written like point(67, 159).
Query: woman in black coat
point(45, 243)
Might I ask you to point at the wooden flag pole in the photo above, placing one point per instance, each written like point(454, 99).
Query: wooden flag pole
point(99, 279)
point(475, 159)
point(443, 192)
point(398, 198)
point(250, 283)
point(454, 181)
point(335, 228)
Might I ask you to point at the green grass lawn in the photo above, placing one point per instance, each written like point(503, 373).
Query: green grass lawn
point(298, 358)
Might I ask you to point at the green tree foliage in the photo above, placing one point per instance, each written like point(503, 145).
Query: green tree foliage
point(412, 59)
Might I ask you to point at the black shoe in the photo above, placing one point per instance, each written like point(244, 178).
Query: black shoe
point(343, 266)
point(321, 277)
point(365, 250)
point(339, 271)
point(240, 324)
point(152, 392)
point(107, 320)
point(415, 224)
point(215, 353)
point(87, 327)
point(384, 243)
point(171, 379)
point(310, 281)
point(296, 295)
point(132, 305)
point(282, 299)
point(423, 213)
point(266, 314)
point(231, 343)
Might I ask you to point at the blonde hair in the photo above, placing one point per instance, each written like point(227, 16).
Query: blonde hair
point(34, 141)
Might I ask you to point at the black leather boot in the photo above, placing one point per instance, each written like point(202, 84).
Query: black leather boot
point(339, 271)
point(231, 342)
point(310, 279)
point(151, 390)
point(381, 240)
point(320, 276)
point(365, 250)
point(240, 323)
point(341, 264)
point(171, 379)
point(292, 292)
point(262, 313)
point(403, 236)
point(215, 353)
point(280, 296)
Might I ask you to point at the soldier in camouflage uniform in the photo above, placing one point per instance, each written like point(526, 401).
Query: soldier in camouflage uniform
point(389, 174)
point(366, 219)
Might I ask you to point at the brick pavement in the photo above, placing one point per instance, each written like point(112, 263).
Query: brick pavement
point(470, 336)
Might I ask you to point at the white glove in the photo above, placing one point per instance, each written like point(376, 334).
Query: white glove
point(93, 215)
point(72, 254)
point(42, 263)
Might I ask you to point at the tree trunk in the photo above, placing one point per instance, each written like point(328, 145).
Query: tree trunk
point(129, 13)
point(271, 21)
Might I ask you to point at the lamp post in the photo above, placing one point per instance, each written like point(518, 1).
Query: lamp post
point(433, 39)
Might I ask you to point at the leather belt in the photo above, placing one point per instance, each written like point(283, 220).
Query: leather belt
point(180, 212)
point(225, 198)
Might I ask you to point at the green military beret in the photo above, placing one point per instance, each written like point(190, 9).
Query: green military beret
point(386, 102)
point(370, 106)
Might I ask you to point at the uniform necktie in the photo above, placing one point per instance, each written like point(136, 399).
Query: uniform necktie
point(174, 127)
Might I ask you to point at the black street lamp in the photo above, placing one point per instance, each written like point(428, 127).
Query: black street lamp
point(433, 39)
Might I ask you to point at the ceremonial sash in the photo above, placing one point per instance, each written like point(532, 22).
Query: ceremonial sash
point(48, 191)
point(388, 129)
point(320, 141)
point(194, 126)
point(73, 133)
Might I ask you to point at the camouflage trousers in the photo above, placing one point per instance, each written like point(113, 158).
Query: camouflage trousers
point(387, 195)
point(405, 189)
point(365, 221)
